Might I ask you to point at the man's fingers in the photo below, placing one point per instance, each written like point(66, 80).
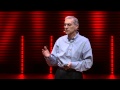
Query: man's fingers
point(45, 47)
point(42, 50)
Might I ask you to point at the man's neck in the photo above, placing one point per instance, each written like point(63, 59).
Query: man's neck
point(72, 35)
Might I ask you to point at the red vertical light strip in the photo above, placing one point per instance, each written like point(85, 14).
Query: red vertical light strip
point(51, 46)
point(112, 54)
point(22, 54)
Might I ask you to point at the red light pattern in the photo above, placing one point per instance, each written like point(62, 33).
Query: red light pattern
point(22, 54)
point(8, 25)
point(112, 54)
point(98, 19)
point(51, 46)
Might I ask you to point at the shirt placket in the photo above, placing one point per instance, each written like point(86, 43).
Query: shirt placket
point(69, 51)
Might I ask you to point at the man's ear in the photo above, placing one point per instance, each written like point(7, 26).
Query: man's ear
point(77, 26)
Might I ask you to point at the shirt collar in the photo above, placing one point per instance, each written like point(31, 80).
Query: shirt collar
point(74, 37)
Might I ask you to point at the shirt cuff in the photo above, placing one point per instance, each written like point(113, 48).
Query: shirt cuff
point(73, 64)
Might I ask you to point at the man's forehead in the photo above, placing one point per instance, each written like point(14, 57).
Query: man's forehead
point(68, 20)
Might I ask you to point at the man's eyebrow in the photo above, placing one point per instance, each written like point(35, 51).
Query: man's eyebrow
point(67, 23)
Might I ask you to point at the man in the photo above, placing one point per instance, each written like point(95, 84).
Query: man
point(72, 53)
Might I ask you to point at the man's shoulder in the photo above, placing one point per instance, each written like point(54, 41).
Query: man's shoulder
point(83, 37)
point(62, 38)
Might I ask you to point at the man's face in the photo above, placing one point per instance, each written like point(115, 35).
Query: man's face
point(69, 26)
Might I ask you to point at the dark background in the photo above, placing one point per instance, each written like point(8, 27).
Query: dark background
point(109, 5)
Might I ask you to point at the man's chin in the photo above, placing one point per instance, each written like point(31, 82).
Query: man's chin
point(67, 33)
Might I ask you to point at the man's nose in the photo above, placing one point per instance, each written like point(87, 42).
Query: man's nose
point(66, 26)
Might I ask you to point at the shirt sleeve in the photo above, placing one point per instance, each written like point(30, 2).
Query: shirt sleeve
point(87, 59)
